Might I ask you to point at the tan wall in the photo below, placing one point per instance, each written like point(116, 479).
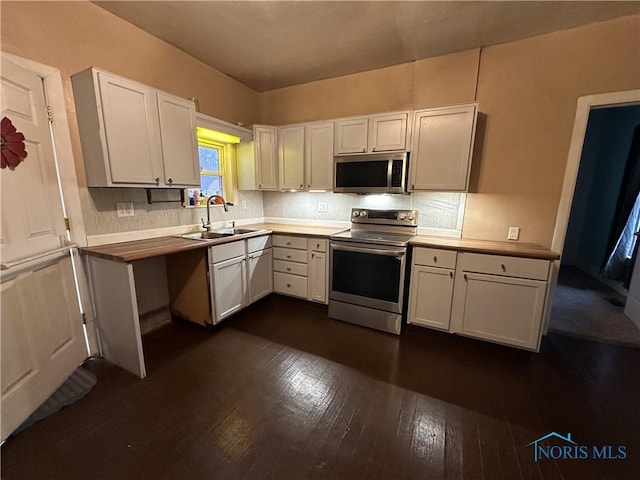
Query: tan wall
point(73, 36)
point(528, 91)
point(426, 83)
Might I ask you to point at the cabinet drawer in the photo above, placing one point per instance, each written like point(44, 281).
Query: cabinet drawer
point(506, 266)
point(290, 254)
point(318, 244)
point(290, 242)
point(223, 252)
point(433, 257)
point(258, 243)
point(290, 267)
point(290, 284)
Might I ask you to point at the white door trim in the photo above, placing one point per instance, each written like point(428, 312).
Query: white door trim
point(54, 88)
point(585, 104)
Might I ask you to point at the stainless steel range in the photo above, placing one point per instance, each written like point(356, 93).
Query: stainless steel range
point(369, 266)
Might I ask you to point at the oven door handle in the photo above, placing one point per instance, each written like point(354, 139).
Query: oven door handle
point(396, 252)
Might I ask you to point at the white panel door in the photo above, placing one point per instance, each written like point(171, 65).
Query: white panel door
point(229, 287)
point(179, 141)
point(130, 113)
point(291, 157)
point(430, 297)
point(318, 155)
point(442, 147)
point(42, 339)
point(351, 136)
point(265, 144)
point(317, 279)
point(388, 132)
point(260, 273)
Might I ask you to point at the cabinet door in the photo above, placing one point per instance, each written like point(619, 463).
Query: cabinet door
point(291, 157)
point(351, 136)
point(317, 279)
point(179, 141)
point(229, 287)
point(318, 154)
point(265, 145)
point(442, 147)
point(388, 132)
point(130, 115)
point(501, 309)
point(430, 297)
point(260, 272)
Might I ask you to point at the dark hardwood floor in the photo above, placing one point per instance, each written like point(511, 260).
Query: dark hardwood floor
point(279, 391)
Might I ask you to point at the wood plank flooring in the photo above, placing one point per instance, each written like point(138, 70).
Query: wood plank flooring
point(282, 392)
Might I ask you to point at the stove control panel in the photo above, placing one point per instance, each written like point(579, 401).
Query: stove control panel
point(385, 217)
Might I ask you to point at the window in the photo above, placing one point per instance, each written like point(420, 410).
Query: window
point(217, 154)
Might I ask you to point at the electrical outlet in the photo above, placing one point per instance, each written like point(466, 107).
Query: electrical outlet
point(322, 207)
point(514, 233)
point(124, 209)
point(244, 204)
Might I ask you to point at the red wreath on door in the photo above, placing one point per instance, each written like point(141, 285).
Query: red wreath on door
point(12, 145)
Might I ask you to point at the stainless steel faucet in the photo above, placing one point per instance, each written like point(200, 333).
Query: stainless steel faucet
point(207, 225)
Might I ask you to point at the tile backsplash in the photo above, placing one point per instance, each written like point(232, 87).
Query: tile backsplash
point(439, 212)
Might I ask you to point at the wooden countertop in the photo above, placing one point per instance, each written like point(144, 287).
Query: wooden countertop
point(511, 249)
point(156, 247)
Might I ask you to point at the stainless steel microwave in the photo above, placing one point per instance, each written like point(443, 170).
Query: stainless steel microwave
point(378, 173)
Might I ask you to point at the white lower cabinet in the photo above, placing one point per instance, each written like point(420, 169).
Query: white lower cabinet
point(432, 276)
point(260, 272)
point(500, 299)
point(489, 297)
point(228, 287)
point(318, 283)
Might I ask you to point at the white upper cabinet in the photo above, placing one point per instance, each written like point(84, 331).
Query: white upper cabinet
point(266, 158)
point(291, 157)
point(351, 136)
point(375, 133)
point(121, 132)
point(179, 143)
point(442, 148)
point(388, 132)
point(318, 155)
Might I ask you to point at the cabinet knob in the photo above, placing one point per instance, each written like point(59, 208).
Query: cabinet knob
point(288, 285)
point(318, 246)
point(451, 274)
point(435, 259)
point(504, 269)
point(157, 180)
point(413, 186)
point(301, 185)
point(288, 243)
point(288, 256)
point(465, 276)
point(309, 185)
point(288, 269)
point(313, 255)
point(259, 185)
point(170, 181)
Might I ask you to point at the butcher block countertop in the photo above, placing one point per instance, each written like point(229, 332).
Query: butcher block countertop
point(156, 247)
point(511, 249)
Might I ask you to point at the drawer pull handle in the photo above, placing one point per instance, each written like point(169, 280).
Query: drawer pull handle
point(504, 269)
point(435, 259)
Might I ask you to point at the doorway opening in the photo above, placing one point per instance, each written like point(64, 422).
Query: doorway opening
point(593, 280)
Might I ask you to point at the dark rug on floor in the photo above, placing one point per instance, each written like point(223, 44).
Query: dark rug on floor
point(79, 383)
point(583, 307)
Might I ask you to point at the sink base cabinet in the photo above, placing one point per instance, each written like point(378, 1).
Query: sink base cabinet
point(228, 281)
point(187, 277)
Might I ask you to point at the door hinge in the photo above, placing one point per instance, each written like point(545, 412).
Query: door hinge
point(84, 318)
point(67, 224)
point(50, 113)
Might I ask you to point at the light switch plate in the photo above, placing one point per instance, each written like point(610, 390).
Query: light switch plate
point(322, 207)
point(244, 204)
point(124, 209)
point(514, 233)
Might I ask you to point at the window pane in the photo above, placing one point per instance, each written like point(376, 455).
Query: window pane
point(209, 159)
point(211, 184)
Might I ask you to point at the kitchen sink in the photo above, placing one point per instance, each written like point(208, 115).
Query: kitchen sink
point(220, 233)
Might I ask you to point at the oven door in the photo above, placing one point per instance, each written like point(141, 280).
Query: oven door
point(367, 275)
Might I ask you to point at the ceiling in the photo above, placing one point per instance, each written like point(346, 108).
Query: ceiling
point(273, 44)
